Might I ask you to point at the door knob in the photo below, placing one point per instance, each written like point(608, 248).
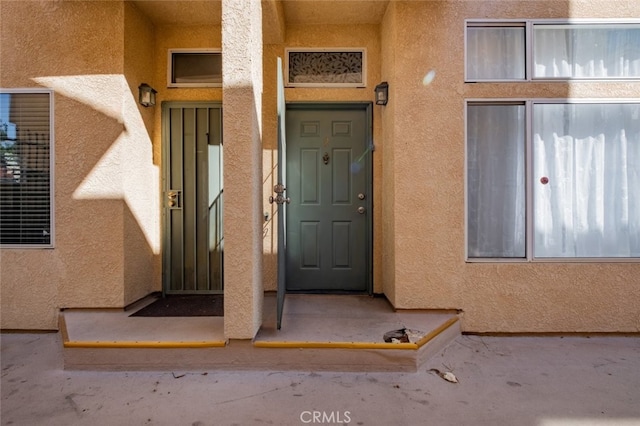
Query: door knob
point(361, 210)
point(279, 198)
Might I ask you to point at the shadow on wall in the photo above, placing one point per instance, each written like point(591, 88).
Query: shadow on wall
point(107, 192)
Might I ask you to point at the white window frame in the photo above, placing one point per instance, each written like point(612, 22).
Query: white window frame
point(170, 53)
point(529, 231)
point(51, 244)
point(361, 50)
point(529, 46)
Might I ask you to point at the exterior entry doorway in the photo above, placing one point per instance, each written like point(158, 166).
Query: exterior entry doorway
point(329, 184)
point(192, 198)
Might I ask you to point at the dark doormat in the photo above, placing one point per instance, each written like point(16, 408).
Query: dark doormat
point(209, 305)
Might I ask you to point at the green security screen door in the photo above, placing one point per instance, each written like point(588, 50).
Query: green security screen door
point(329, 184)
point(280, 199)
point(192, 197)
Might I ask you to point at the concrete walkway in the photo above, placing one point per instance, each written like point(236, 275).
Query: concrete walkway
point(541, 381)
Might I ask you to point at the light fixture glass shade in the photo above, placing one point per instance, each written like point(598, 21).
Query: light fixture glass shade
point(147, 95)
point(382, 93)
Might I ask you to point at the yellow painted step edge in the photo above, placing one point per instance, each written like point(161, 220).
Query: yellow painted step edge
point(133, 343)
point(143, 344)
point(360, 345)
point(335, 345)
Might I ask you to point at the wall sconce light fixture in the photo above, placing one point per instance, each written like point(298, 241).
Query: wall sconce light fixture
point(382, 93)
point(146, 95)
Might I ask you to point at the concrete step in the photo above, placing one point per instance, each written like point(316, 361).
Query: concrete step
point(319, 333)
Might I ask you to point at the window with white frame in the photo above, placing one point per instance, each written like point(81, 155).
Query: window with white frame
point(26, 154)
point(194, 68)
point(552, 178)
point(543, 50)
point(568, 182)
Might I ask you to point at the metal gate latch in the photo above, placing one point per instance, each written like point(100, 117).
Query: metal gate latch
point(173, 198)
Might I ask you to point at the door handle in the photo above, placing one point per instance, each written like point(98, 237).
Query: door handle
point(279, 198)
point(361, 210)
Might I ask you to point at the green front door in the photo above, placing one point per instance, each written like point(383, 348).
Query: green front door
point(329, 184)
point(192, 197)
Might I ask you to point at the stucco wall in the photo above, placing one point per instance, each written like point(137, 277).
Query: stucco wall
point(140, 175)
point(108, 151)
point(242, 120)
point(428, 183)
point(77, 50)
point(386, 182)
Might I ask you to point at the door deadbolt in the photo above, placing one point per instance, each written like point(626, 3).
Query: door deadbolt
point(361, 196)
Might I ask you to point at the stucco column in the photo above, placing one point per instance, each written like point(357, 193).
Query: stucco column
point(241, 112)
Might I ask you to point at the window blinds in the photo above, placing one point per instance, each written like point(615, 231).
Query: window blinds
point(25, 169)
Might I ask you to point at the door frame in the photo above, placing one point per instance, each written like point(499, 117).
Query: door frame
point(367, 107)
point(164, 173)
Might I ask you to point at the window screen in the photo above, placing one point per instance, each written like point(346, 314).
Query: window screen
point(586, 183)
point(587, 51)
point(25, 169)
point(495, 52)
point(496, 226)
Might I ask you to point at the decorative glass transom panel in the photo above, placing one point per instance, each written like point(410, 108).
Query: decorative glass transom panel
point(326, 67)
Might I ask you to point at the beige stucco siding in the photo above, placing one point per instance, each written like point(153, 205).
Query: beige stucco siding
point(386, 177)
point(106, 210)
point(242, 119)
point(139, 170)
point(428, 231)
point(108, 159)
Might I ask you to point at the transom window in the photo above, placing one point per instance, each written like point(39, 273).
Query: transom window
point(194, 68)
point(339, 67)
point(26, 154)
point(542, 49)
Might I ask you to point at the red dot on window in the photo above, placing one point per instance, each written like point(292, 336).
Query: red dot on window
point(544, 180)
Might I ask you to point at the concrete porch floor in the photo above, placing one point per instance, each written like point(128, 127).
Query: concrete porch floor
point(322, 332)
